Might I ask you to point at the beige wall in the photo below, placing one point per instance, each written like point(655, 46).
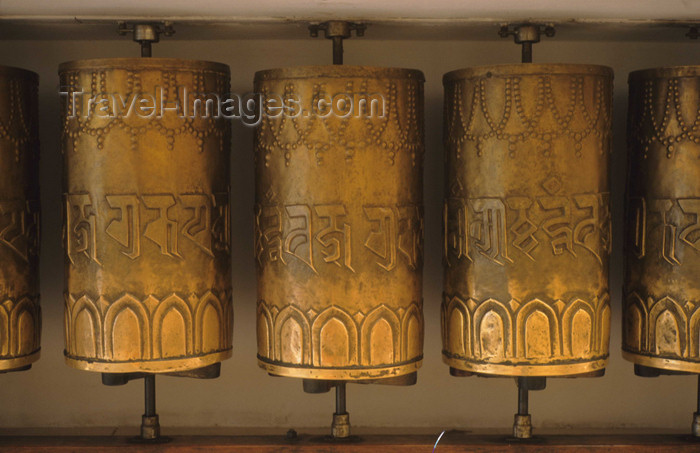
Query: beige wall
point(53, 395)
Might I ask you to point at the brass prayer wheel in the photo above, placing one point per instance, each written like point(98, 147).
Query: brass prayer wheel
point(661, 316)
point(146, 221)
point(339, 222)
point(20, 314)
point(527, 219)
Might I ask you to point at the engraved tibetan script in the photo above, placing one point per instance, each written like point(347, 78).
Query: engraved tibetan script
point(502, 230)
point(19, 220)
point(665, 226)
point(127, 221)
point(324, 233)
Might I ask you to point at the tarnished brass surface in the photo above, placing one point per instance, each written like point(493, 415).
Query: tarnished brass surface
point(527, 219)
point(522, 426)
point(661, 316)
point(20, 314)
point(340, 428)
point(146, 221)
point(339, 227)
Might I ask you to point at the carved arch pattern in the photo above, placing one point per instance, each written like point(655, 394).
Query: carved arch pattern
point(171, 327)
point(20, 327)
point(399, 330)
point(663, 327)
point(497, 331)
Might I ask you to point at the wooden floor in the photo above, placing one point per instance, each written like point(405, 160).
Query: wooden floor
point(451, 442)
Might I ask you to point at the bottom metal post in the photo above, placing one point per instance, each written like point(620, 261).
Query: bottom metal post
point(150, 426)
point(340, 428)
point(696, 415)
point(522, 425)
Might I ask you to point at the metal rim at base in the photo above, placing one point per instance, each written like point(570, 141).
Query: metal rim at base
point(527, 370)
point(340, 374)
point(662, 363)
point(19, 362)
point(152, 366)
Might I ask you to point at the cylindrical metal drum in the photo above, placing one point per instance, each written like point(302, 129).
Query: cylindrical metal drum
point(20, 315)
point(146, 221)
point(527, 219)
point(339, 222)
point(661, 316)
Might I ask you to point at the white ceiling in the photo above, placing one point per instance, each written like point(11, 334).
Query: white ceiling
point(357, 9)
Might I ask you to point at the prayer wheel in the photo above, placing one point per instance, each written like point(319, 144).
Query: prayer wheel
point(661, 316)
point(20, 314)
point(339, 222)
point(527, 220)
point(146, 221)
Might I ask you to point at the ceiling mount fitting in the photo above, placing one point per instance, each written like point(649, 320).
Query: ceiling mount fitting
point(146, 33)
point(526, 35)
point(338, 30)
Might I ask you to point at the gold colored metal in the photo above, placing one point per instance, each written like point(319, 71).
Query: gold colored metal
point(661, 315)
point(340, 427)
point(339, 224)
point(150, 427)
point(527, 219)
point(20, 313)
point(522, 426)
point(146, 222)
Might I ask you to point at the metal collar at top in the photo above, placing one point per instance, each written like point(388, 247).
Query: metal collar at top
point(337, 30)
point(146, 33)
point(526, 35)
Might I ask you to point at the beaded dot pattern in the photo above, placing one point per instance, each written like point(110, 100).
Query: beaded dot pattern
point(87, 123)
point(399, 130)
point(539, 112)
point(658, 115)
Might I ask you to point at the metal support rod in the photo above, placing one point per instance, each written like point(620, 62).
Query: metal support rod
point(527, 52)
point(340, 428)
point(337, 30)
point(696, 415)
point(337, 50)
point(526, 35)
point(150, 426)
point(146, 49)
point(146, 34)
point(340, 398)
point(522, 423)
point(698, 406)
point(149, 386)
point(523, 399)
